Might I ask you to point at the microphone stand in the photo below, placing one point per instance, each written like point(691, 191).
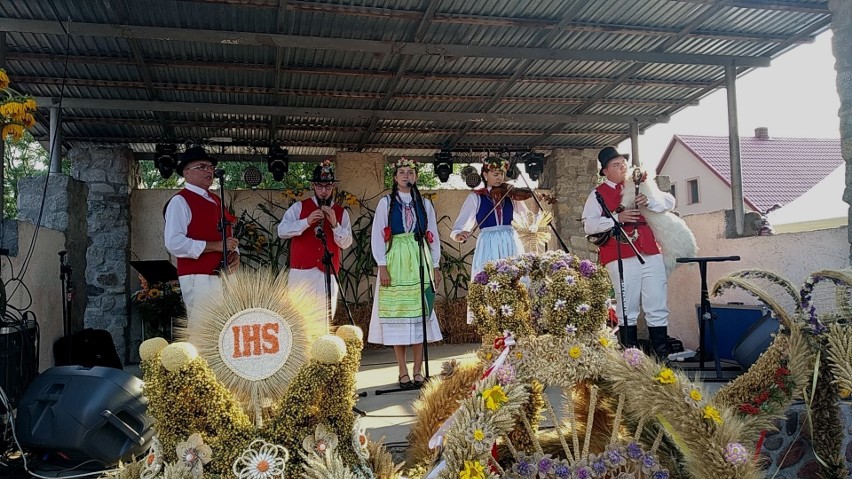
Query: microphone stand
point(328, 272)
point(618, 227)
point(223, 221)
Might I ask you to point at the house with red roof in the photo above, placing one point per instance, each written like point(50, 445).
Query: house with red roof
point(775, 171)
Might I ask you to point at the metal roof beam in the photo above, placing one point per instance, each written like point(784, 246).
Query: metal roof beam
point(341, 113)
point(28, 57)
point(779, 5)
point(280, 59)
point(368, 46)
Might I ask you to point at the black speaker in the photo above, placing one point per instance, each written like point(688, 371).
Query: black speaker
point(755, 341)
point(85, 413)
point(89, 348)
point(18, 358)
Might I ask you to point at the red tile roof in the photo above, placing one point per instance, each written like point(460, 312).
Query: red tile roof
point(775, 170)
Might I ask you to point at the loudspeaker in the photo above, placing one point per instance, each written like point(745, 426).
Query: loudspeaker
point(88, 348)
point(84, 414)
point(732, 321)
point(18, 359)
point(755, 341)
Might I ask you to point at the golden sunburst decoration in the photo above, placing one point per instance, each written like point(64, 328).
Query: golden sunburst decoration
point(255, 335)
point(533, 230)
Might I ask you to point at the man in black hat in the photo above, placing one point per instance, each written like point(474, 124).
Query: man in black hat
point(305, 223)
point(646, 282)
point(192, 230)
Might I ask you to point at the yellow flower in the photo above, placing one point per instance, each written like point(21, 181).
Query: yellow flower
point(574, 352)
point(604, 341)
point(13, 130)
point(713, 414)
point(154, 293)
point(488, 356)
point(4, 79)
point(494, 397)
point(479, 434)
point(666, 376)
point(472, 470)
point(30, 104)
point(845, 393)
point(696, 395)
point(28, 120)
point(519, 355)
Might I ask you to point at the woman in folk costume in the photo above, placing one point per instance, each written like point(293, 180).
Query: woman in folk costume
point(497, 238)
point(397, 318)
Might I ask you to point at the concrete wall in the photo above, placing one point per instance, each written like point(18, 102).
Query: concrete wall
point(792, 255)
point(39, 290)
point(841, 26)
point(713, 193)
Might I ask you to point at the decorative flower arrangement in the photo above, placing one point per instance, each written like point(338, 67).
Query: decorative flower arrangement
point(770, 398)
point(152, 463)
point(193, 454)
point(16, 111)
point(320, 441)
point(158, 304)
point(261, 460)
point(533, 229)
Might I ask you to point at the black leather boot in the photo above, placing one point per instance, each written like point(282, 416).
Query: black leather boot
point(631, 337)
point(659, 336)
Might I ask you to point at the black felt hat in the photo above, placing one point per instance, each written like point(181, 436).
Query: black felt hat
point(324, 173)
point(607, 154)
point(194, 153)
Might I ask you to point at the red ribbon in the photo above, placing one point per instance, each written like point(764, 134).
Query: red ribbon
point(499, 343)
point(387, 233)
point(759, 444)
point(429, 237)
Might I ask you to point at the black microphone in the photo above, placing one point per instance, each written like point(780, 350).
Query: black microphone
point(411, 185)
point(219, 173)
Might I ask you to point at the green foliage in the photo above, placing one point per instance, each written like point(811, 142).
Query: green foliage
point(21, 159)
point(158, 304)
point(426, 178)
point(296, 179)
point(260, 246)
point(356, 265)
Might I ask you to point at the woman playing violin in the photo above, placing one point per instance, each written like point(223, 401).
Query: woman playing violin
point(490, 209)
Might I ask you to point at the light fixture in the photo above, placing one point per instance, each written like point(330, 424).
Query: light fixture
point(252, 177)
point(443, 164)
point(534, 163)
point(278, 162)
point(164, 159)
point(471, 177)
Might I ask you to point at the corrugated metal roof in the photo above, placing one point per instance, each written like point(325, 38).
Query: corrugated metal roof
point(480, 73)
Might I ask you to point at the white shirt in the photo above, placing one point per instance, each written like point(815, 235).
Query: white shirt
point(466, 220)
point(380, 221)
point(595, 222)
point(178, 216)
point(291, 226)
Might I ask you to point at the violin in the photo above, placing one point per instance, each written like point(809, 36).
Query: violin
point(505, 190)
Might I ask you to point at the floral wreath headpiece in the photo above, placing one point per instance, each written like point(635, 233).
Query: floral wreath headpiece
point(496, 163)
point(403, 161)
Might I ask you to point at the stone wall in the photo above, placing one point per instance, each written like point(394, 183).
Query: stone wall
point(110, 174)
point(841, 26)
point(571, 175)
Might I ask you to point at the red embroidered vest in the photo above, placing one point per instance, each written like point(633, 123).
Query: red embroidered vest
point(646, 243)
point(202, 227)
point(306, 249)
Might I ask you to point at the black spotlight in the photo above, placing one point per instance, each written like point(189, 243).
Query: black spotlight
point(252, 176)
point(443, 165)
point(278, 162)
point(164, 159)
point(471, 177)
point(534, 165)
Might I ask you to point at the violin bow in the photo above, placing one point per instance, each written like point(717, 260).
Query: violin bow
point(493, 209)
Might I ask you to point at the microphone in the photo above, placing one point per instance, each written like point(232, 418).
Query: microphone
point(410, 185)
point(318, 232)
point(219, 173)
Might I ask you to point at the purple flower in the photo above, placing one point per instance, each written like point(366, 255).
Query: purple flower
point(634, 451)
point(558, 265)
point(633, 357)
point(664, 474)
point(562, 471)
point(599, 466)
point(503, 266)
point(536, 314)
point(481, 278)
point(648, 461)
point(587, 268)
point(505, 374)
point(614, 457)
point(583, 473)
point(525, 468)
point(545, 466)
point(736, 453)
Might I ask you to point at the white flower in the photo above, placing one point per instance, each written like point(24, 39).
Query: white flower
point(583, 308)
point(559, 304)
point(493, 285)
point(153, 462)
point(193, 453)
point(261, 460)
point(570, 280)
point(320, 441)
point(570, 329)
point(507, 310)
point(359, 440)
point(491, 311)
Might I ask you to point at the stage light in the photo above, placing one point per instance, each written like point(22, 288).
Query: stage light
point(443, 165)
point(252, 176)
point(164, 159)
point(534, 165)
point(278, 162)
point(471, 177)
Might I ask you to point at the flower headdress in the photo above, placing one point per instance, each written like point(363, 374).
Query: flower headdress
point(403, 161)
point(324, 172)
point(495, 163)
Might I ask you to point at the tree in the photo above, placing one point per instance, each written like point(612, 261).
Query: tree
point(22, 158)
point(296, 179)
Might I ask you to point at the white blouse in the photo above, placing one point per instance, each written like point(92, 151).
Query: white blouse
point(466, 220)
point(380, 221)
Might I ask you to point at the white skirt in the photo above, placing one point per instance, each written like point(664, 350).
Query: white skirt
point(495, 242)
point(393, 334)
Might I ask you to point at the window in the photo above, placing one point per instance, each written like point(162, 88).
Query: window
point(692, 191)
point(673, 191)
